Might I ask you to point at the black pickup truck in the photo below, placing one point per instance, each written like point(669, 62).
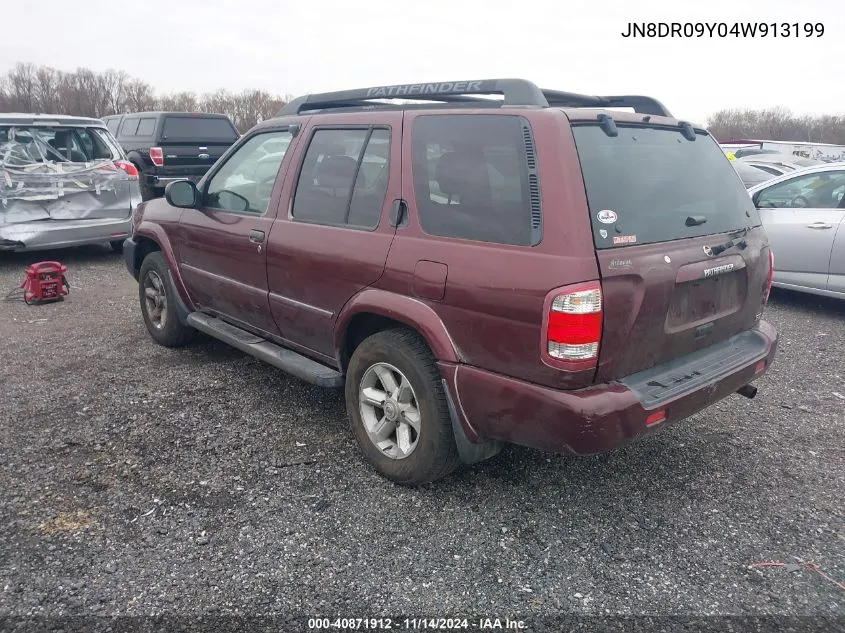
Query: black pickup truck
point(167, 146)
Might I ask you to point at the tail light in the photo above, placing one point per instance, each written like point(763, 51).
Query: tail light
point(128, 167)
point(572, 326)
point(157, 156)
point(770, 277)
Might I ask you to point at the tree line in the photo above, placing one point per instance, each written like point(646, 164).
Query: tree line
point(84, 92)
point(777, 124)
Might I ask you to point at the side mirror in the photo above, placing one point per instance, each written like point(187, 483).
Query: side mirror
point(182, 194)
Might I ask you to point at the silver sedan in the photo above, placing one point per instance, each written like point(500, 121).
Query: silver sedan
point(802, 212)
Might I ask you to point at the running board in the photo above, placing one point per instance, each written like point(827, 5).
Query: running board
point(280, 357)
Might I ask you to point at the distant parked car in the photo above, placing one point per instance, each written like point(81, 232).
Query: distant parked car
point(779, 164)
point(802, 213)
point(750, 174)
point(64, 181)
point(168, 146)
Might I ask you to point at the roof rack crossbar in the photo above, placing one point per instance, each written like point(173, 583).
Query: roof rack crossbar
point(513, 91)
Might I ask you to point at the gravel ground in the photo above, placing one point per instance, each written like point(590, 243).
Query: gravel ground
point(138, 481)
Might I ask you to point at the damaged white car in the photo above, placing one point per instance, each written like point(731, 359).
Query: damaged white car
point(64, 181)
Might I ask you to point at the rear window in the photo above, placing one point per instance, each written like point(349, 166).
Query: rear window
point(199, 128)
point(644, 184)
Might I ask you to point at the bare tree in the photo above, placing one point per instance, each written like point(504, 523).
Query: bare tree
point(138, 97)
point(21, 84)
point(777, 124)
point(88, 93)
point(178, 102)
point(113, 86)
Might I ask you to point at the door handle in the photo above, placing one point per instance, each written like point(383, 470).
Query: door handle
point(256, 236)
point(819, 225)
point(398, 213)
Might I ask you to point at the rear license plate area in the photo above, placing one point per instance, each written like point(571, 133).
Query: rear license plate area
point(700, 300)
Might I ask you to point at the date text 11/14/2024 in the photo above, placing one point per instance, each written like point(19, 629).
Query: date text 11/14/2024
point(415, 624)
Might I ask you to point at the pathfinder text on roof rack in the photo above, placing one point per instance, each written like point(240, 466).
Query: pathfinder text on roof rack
point(402, 90)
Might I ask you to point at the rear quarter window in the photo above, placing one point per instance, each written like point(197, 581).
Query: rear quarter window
point(198, 128)
point(129, 127)
point(472, 178)
point(644, 184)
point(146, 126)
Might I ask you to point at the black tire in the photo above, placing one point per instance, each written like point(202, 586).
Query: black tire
point(168, 332)
point(117, 246)
point(435, 454)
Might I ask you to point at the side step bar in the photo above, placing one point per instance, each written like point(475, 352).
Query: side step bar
point(285, 359)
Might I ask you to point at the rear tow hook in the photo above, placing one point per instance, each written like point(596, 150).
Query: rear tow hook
point(749, 391)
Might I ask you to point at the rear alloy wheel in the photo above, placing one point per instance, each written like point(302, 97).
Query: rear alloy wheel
point(397, 408)
point(158, 307)
point(389, 410)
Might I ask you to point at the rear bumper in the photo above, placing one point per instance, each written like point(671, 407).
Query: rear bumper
point(162, 180)
point(48, 234)
point(603, 417)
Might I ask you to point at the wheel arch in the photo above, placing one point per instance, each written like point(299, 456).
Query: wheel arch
point(150, 238)
point(374, 310)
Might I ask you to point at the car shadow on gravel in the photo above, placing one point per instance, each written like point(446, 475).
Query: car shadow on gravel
point(806, 301)
point(79, 255)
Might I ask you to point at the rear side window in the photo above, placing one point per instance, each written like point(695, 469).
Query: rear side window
point(129, 127)
point(822, 190)
point(474, 178)
point(198, 128)
point(113, 124)
point(344, 178)
point(651, 184)
point(146, 126)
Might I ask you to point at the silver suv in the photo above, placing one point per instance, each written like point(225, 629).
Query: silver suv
point(64, 181)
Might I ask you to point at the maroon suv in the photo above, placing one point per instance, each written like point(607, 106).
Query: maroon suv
point(491, 263)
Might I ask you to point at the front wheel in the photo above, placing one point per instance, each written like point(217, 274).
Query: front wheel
point(397, 408)
point(158, 303)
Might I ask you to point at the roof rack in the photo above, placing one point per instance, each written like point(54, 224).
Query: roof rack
point(514, 92)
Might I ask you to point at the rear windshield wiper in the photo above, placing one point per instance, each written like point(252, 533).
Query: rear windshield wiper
point(737, 239)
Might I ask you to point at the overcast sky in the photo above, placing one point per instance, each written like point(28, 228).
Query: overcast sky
point(297, 47)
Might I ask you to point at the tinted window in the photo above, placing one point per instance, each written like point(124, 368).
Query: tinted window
point(768, 170)
point(146, 127)
point(750, 175)
point(653, 179)
point(813, 191)
point(112, 125)
point(129, 127)
point(245, 181)
point(371, 182)
point(198, 128)
point(471, 177)
point(344, 178)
